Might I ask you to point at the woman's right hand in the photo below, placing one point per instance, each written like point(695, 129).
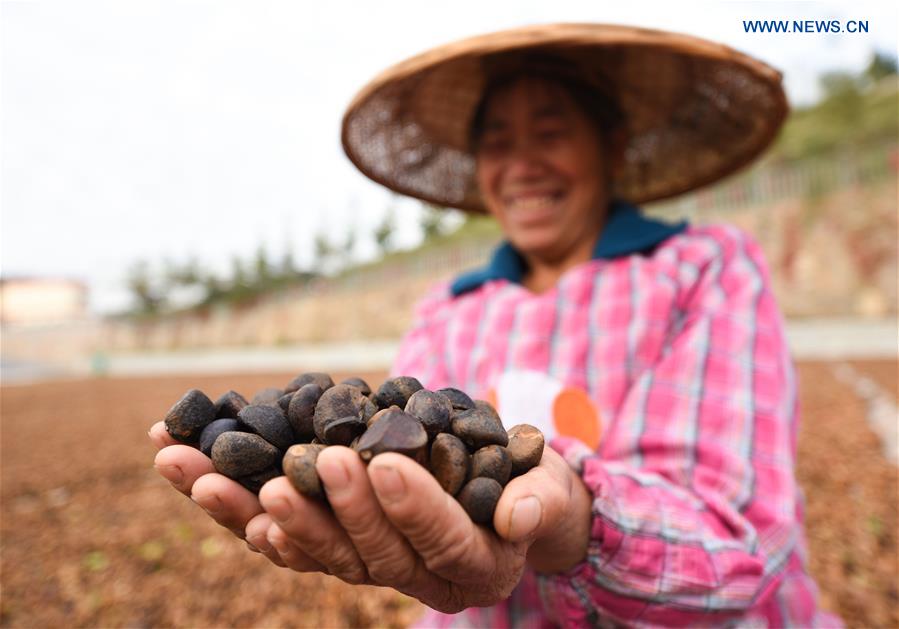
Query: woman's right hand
point(224, 500)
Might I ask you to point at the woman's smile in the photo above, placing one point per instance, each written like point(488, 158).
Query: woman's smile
point(541, 172)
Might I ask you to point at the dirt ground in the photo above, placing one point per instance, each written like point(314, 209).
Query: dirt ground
point(92, 537)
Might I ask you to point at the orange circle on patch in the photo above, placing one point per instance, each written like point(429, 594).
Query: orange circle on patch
point(492, 399)
point(574, 415)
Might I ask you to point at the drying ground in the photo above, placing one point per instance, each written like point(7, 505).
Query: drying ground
point(92, 537)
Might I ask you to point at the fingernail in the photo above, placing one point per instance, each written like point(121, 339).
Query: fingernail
point(279, 509)
point(278, 545)
point(388, 483)
point(252, 547)
point(333, 474)
point(171, 473)
point(210, 504)
point(259, 544)
point(525, 519)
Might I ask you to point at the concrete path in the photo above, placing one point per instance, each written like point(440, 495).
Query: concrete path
point(816, 339)
point(834, 339)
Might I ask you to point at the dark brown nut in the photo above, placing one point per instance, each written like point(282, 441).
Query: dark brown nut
point(255, 481)
point(321, 379)
point(269, 423)
point(487, 407)
point(396, 392)
point(301, 412)
point(477, 428)
point(449, 462)
point(369, 410)
point(492, 462)
point(525, 448)
point(394, 431)
point(213, 430)
point(237, 454)
point(371, 420)
point(459, 400)
point(269, 397)
point(432, 409)
point(189, 416)
point(342, 432)
point(358, 382)
point(479, 498)
point(229, 405)
point(284, 401)
point(299, 467)
point(338, 402)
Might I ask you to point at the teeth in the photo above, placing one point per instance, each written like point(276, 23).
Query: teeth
point(531, 203)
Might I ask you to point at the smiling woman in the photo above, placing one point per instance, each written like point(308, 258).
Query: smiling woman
point(652, 355)
point(540, 171)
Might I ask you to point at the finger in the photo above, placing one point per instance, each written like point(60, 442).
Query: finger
point(290, 554)
point(387, 555)
point(313, 529)
point(160, 436)
point(551, 509)
point(257, 538)
point(533, 504)
point(436, 526)
point(226, 501)
point(182, 465)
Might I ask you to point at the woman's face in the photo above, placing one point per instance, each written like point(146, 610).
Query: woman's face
point(540, 170)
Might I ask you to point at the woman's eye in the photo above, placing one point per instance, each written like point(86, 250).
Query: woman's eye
point(550, 134)
point(495, 145)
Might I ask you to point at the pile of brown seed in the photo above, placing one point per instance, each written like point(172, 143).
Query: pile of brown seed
point(461, 441)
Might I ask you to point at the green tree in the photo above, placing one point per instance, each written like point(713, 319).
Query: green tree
point(262, 269)
point(384, 232)
point(346, 249)
point(432, 224)
point(324, 251)
point(148, 296)
point(882, 65)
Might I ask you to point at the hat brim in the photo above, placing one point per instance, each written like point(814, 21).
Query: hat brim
point(695, 111)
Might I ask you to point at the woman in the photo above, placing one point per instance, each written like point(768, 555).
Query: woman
point(685, 511)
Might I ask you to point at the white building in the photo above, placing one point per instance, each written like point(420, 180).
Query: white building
point(39, 300)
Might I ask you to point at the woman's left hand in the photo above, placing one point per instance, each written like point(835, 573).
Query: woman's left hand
point(391, 524)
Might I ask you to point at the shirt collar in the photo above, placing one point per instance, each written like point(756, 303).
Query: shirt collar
point(627, 231)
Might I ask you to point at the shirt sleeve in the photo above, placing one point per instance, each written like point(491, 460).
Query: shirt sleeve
point(695, 501)
point(418, 355)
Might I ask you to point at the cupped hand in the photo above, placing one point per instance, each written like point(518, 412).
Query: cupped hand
point(391, 524)
point(191, 472)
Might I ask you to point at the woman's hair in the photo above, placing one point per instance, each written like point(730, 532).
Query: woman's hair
point(599, 108)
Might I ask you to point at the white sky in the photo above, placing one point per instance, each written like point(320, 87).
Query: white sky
point(168, 129)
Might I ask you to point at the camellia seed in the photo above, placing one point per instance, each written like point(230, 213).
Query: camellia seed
point(299, 467)
point(229, 405)
point(492, 461)
point(432, 409)
point(479, 498)
point(525, 448)
point(189, 416)
point(269, 423)
point(237, 454)
point(449, 462)
point(395, 431)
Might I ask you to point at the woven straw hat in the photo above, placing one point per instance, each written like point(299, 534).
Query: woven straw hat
point(694, 110)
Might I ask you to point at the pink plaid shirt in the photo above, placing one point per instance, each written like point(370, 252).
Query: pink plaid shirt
point(697, 516)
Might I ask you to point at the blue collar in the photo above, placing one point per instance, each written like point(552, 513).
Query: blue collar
point(627, 231)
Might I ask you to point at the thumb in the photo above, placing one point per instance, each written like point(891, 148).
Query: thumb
point(534, 504)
